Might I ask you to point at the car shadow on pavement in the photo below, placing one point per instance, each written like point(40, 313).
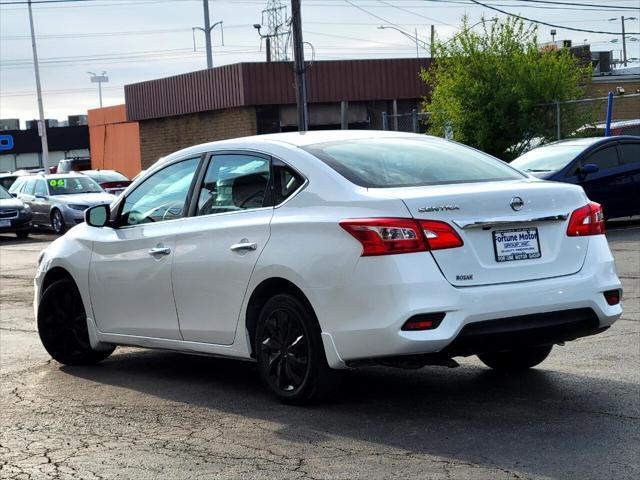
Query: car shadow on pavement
point(541, 422)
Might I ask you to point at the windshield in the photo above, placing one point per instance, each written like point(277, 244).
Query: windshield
point(103, 177)
point(407, 162)
point(4, 195)
point(72, 185)
point(548, 158)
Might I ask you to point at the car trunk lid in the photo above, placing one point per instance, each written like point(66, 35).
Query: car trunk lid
point(502, 243)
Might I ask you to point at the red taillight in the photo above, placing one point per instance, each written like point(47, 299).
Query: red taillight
point(587, 220)
point(440, 235)
point(387, 236)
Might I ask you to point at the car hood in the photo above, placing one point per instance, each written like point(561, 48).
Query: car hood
point(89, 199)
point(11, 203)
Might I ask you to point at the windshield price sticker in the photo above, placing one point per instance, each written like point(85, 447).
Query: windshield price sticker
point(516, 244)
point(60, 182)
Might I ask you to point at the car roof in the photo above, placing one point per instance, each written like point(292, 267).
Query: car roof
point(588, 141)
point(293, 139)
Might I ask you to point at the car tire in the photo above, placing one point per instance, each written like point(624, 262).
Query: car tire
point(290, 353)
point(62, 326)
point(514, 360)
point(22, 235)
point(57, 222)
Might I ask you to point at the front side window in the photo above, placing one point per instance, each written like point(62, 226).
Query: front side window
point(630, 153)
point(162, 196)
point(603, 158)
point(72, 185)
point(41, 189)
point(29, 186)
point(233, 182)
point(409, 162)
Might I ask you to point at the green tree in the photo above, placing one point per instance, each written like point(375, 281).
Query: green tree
point(491, 87)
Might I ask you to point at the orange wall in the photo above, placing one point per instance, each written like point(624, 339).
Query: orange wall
point(114, 142)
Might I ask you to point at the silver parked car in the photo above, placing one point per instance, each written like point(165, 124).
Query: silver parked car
point(58, 201)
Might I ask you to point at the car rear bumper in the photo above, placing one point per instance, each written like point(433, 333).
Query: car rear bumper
point(363, 320)
point(17, 225)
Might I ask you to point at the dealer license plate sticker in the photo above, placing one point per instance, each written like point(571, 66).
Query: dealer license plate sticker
point(516, 244)
point(5, 223)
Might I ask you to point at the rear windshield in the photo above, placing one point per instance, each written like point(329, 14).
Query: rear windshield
point(72, 185)
point(408, 162)
point(548, 158)
point(103, 177)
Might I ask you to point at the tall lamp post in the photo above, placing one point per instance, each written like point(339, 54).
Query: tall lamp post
point(414, 38)
point(99, 79)
point(624, 37)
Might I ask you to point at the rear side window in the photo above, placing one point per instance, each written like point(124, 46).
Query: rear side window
point(285, 182)
point(408, 162)
point(233, 182)
point(604, 158)
point(630, 153)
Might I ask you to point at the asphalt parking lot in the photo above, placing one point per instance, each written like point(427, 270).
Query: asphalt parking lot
point(153, 414)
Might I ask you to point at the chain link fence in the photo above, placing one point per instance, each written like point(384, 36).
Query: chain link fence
point(553, 121)
point(414, 121)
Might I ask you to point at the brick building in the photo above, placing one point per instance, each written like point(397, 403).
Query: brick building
point(255, 98)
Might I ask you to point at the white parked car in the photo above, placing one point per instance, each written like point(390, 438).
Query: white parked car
point(315, 252)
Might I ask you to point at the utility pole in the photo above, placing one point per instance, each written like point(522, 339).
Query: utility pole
point(207, 33)
point(42, 125)
point(298, 63)
point(208, 28)
point(624, 44)
point(433, 41)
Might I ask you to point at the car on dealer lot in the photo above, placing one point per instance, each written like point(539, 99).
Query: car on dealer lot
point(59, 201)
point(15, 216)
point(111, 181)
point(310, 253)
point(608, 168)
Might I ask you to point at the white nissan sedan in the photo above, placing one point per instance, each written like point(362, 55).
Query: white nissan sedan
point(310, 253)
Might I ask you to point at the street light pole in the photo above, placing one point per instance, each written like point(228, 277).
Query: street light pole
point(99, 79)
point(42, 125)
point(624, 44)
point(419, 43)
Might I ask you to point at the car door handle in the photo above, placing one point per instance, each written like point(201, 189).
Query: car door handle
point(159, 251)
point(243, 246)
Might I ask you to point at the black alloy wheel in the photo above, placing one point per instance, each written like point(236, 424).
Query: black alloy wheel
point(514, 360)
point(62, 326)
point(57, 222)
point(289, 350)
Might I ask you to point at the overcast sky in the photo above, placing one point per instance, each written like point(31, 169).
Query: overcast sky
point(136, 40)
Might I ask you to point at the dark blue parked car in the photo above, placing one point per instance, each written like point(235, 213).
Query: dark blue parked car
point(608, 168)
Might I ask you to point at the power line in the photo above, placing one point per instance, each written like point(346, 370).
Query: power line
point(546, 23)
point(575, 4)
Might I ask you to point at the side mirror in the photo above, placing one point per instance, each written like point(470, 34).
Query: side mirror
point(14, 194)
point(97, 216)
point(588, 169)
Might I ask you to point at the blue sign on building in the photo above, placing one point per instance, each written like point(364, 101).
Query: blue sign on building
point(6, 142)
